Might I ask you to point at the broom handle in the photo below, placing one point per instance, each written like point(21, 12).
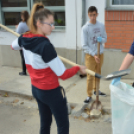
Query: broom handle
point(63, 59)
point(74, 64)
point(97, 80)
point(10, 30)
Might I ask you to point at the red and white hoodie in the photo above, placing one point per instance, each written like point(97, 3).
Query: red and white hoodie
point(42, 62)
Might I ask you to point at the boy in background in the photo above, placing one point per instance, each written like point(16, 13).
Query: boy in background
point(92, 33)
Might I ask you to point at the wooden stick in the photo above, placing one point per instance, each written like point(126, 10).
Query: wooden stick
point(74, 64)
point(63, 59)
point(10, 30)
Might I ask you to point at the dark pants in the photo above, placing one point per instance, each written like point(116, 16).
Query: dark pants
point(23, 61)
point(52, 102)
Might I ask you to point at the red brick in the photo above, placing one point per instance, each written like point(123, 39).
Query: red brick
point(118, 37)
point(132, 35)
point(117, 44)
point(123, 28)
point(108, 43)
point(129, 32)
point(117, 28)
point(123, 41)
point(122, 15)
point(128, 38)
point(131, 15)
point(130, 22)
point(128, 35)
point(123, 35)
point(129, 41)
point(108, 24)
point(130, 25)
point(117, 15)
point(128, 47)
point(110, 34)
point(110, 15)
point(123, 22)
point(106, 15)
point(117, 41)
point(127, 15)
point(109, 31)
point(110, 40)
point(117, 31)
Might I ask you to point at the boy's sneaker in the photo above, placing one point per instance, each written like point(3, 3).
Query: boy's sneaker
point(100, 94)
point(88, 99)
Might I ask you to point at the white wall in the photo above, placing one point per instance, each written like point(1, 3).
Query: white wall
point(67, 38)
point(60, 39)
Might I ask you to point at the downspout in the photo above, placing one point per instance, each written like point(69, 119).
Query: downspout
point(83, 21)
point(84, 12)
point(76, 26)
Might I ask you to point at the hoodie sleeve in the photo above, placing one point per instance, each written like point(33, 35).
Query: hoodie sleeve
point(15, 45)
point(104, 35)
point(84, 39)
point(50, 57)
point(131, 51)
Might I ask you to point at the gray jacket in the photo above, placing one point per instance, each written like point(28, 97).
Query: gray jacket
point(89, 35)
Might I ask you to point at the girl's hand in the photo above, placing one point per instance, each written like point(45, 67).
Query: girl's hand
point(83, 70)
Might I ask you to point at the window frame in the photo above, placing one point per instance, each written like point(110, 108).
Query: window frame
point(110, 6)
point(55, 9)
point(12, 9)
point(28, 8)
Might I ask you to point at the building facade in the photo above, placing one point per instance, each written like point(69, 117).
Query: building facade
point(70, 16)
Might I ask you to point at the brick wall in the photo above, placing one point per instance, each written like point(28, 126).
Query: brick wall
point(120, 29)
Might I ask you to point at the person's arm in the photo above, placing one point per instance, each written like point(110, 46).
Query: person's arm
point(126, 63)
point(15, 45)
point(128, 59)
point(84, 41)
point(104, 35)
point(50, 57)
point(20, 28)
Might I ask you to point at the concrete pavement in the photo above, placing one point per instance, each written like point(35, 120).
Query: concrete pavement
point(23, 120)
point(75, 87)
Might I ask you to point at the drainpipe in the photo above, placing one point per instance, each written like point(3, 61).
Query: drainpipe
point(83, 21)
point(84, 12)
point(76, 26)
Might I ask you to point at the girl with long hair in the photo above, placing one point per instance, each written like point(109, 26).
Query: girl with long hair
point(45, 68)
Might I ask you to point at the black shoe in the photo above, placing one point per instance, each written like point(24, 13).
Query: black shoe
point(100, 94)
point(87, 100)
point(22, 73)
point(82, 76)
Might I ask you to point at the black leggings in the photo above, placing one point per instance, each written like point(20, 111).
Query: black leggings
point(52, 102)
point(23, 61)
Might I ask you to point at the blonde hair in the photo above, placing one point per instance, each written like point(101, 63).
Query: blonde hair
point(38, 12)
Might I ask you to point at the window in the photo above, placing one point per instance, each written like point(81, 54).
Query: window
point(13, 3)
point(10, 11)
point(123, 2)
point(58, 7)
point(12, 18)
point(119, 4)
point(52, 2)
